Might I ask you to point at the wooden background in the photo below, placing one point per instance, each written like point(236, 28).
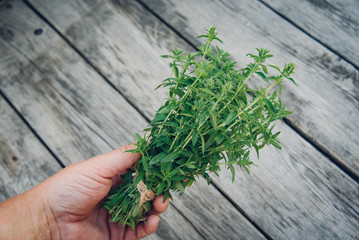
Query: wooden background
point(77, 80)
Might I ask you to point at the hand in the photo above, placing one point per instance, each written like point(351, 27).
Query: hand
point(71, 201)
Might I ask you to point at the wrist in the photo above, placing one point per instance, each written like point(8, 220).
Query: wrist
point(27, 216)
point(43, 220)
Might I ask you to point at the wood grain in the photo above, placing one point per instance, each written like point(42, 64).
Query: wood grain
point(296, 193)
point(283, 214)
point(24, 161)
point(325, 106)
point(174, 226)
point(70, 106)
point(132, 41)
point(213, 218)
point(282, 200)
point(334, 23)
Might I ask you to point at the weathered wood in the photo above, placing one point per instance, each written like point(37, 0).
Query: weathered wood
point(214, 218)
point(325, 106)
point(132, 41)
point(24, 161)
point(81, 113)
point(312, 103)
point(334, 23)
point(69, 104)
point(174, 226)
point(296, 193)
point(298, 208)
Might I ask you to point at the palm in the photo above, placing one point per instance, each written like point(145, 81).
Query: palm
point(75, 199)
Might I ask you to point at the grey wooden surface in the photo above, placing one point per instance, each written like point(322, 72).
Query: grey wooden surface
point(77, 80)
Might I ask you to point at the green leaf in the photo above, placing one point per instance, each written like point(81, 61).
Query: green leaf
point(161, 188)
point(135, 210)
point(219, 138)
point(139, 178)
point(292, 80)
point(275, 135)
point(214, 120)
point(166, 195)
point(208, 91)
point(171, 124)
point(159, 118)
point(243, 97)
point(233, 171)
point(257, 113)
point(165, 110)
point(275, 67)
point(270, 105)
point(203, 144)
point(231, 116)
point(144, 162)
point(194, 137)
point(262, 76)
point(175, 70)
point(211, 140)
point(203, 117)
point(157, 158)
point(138, 136)
point(276, 144)
point(214, 163)
point(179, 186)
point(176, 91)
point(170, 157)
point(265, 69)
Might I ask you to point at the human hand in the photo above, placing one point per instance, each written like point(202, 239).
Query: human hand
point(71, 200)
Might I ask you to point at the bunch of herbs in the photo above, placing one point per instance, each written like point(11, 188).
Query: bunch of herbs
point(211, 118)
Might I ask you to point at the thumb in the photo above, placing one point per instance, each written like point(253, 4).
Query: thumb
point(117, 161)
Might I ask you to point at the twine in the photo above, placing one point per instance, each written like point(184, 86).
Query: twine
point(146, 195)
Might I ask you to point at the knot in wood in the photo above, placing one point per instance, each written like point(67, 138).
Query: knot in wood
point(146, 195)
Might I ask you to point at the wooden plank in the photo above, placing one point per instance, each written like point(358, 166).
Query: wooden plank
point(24, 161)
point(334, 23)
point(174, 226)
point(312, 103)
point(301, 211)
point(325, 106)
point(213, 217)
point(131, 42)
point(296, 193)
point(69, 104)
point(75, 111)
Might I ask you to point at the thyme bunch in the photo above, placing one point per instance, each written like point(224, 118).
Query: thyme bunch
point(211, 118)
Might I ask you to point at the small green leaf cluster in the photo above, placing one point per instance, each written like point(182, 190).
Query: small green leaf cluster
point(211, 118)
point(123, 203)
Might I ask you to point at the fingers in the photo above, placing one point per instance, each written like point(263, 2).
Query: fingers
point(115, 162)
point(143, 229)
point(159, 206)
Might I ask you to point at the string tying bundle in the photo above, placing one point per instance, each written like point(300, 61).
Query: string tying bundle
point(146, 195)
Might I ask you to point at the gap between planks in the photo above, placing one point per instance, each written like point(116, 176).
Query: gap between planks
point(314, 39)
point(32, 130)
point(306, 137)
point(311, 141)
point(43, 18)
point(131, 104)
